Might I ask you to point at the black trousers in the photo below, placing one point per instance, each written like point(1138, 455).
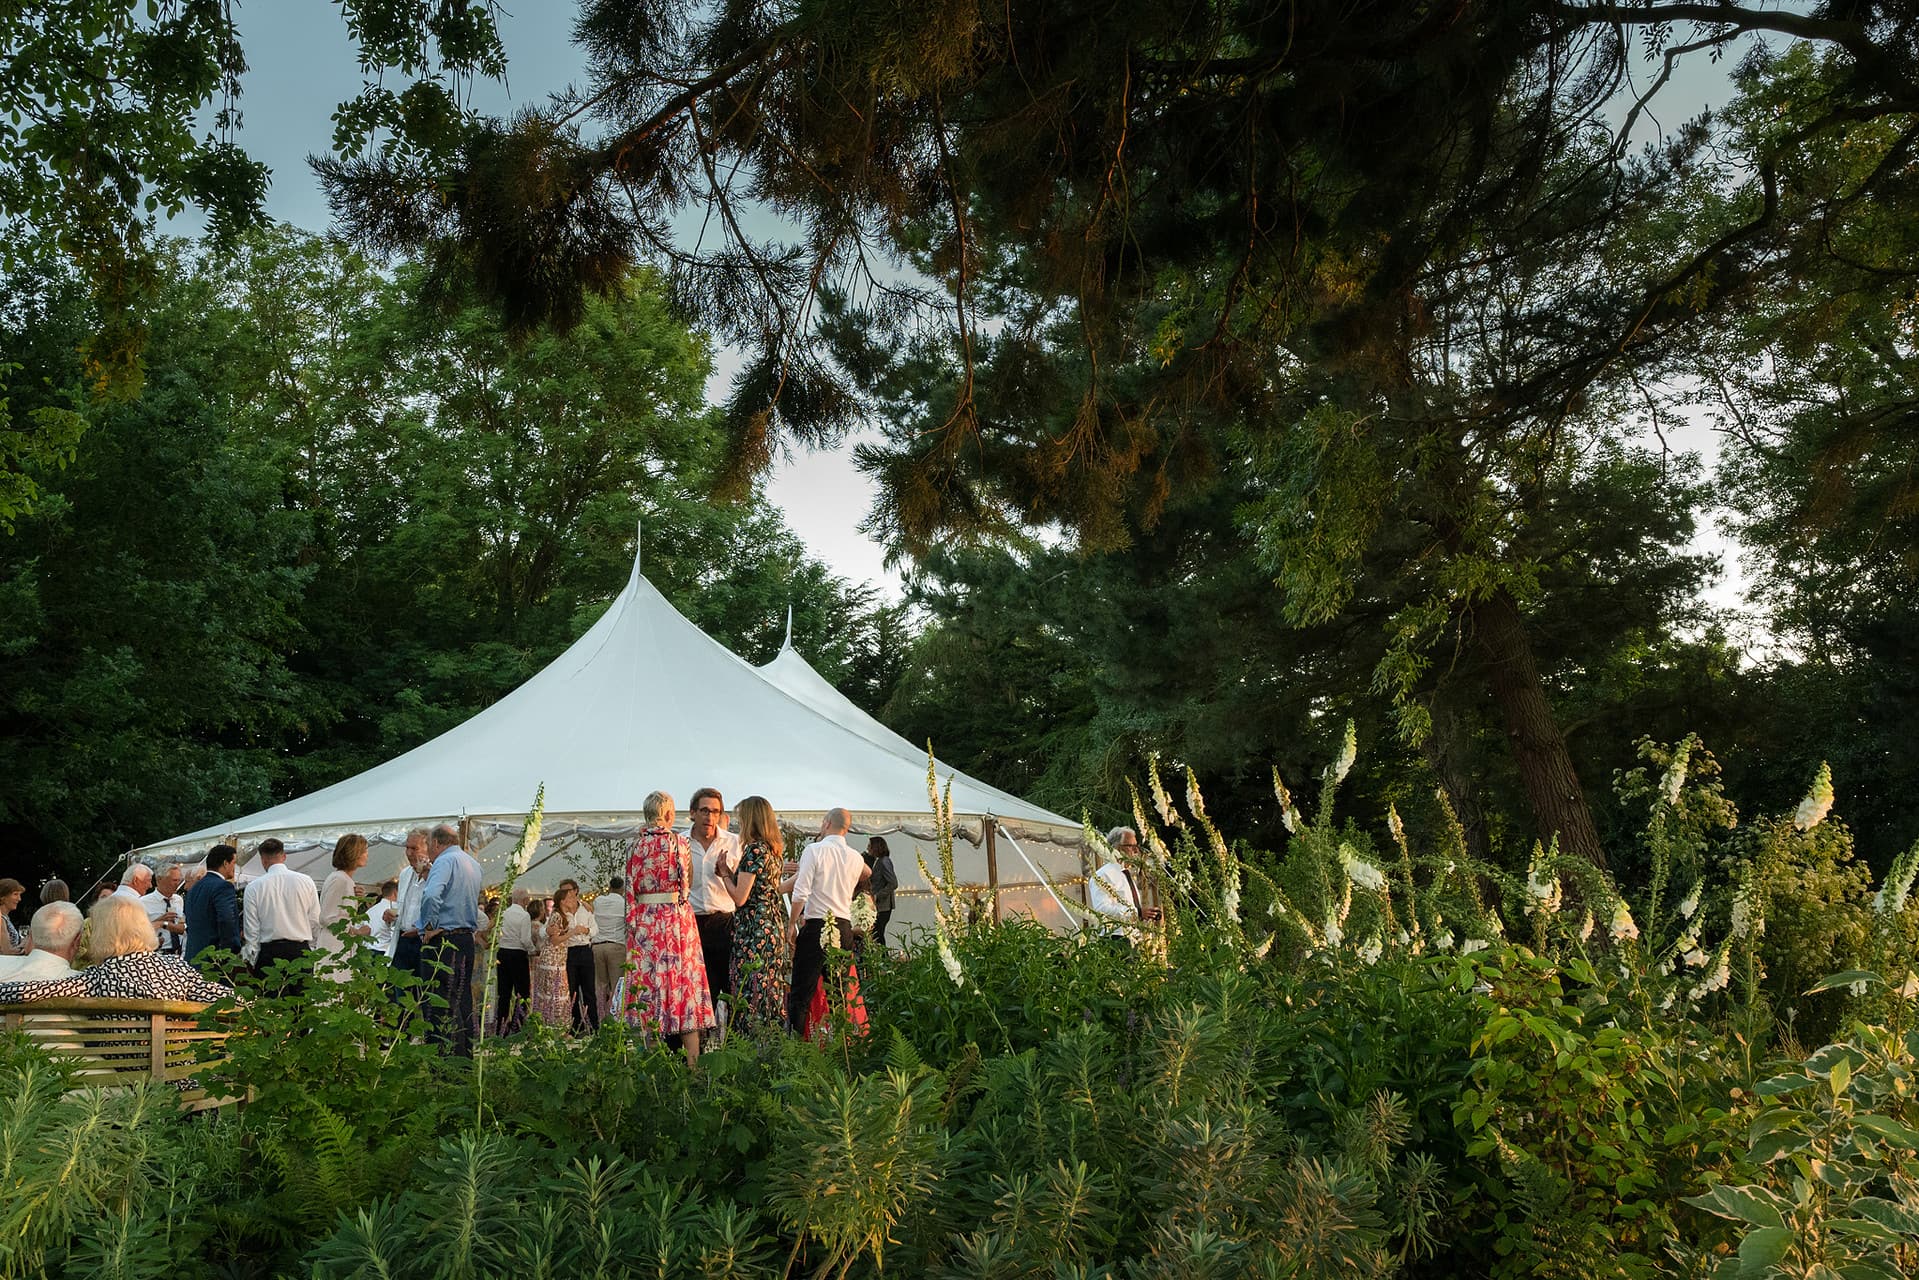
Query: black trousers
point(272, 953)
point(406, 954)
point(580, 983)
point(879, 926)
point(716, 948)
point(809, 961)
point(515, 989)
point(447, 963)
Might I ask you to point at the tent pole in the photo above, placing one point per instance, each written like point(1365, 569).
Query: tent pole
point(990, 827)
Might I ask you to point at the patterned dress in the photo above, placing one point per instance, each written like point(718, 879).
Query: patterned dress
point(551, 999)
point(666, 976)
point(142, 975)
point(759, 940)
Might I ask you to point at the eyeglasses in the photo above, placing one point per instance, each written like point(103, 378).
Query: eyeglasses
point(707, 809)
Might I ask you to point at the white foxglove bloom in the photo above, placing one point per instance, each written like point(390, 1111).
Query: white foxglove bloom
point(1818, 802)
point(1334, 934)
point(1622, 925)
point(1359, 871)
point(1444, 942)
point(1695, 957)
point(1370, 951)
point(1471, 945)
point(1348, 752)
point(1857, 988)
point(1394, 825)
point(530, 836)
point(951, 962)
point(1744, 919)
point(1675, 778)
point(1586, 926)
point(1404, 937)
point(1496, 925)
point(1259, 952)
point(864, 916)
point(1287, 813)
point(1716, 980)
point(1892, 895)
point(1690, 903)
point(1162, 802)
point(1667, 1002)
point(1230, 900)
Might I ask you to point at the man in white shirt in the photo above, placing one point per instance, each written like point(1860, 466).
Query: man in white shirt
point(716, 851)
point(515, 962)
point(163, 906)
point(385, 918)
point(609, 944)
point(280, 914)
point(1113, 892)
point(830, 870)
point(135, 881)
point(56, 941)
point(406, 940)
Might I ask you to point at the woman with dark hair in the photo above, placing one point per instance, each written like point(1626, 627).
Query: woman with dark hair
point(13, 939)
point(882, 886)
point(336, 895)
point(550, 996)
point(572, 928)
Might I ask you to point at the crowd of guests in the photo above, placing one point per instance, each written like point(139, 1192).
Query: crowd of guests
point(713, 927)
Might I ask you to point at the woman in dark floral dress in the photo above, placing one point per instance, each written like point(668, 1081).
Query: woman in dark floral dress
point(666, 987)
point(759, 924)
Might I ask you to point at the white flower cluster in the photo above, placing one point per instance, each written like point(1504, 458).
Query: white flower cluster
point(1818, 802)
point(1675, 779)
point(1162, 802)
point(1348, 752)
point(1359, 871)
point(1690, 903)
point(1720, 975)
point(951, 962)
point(1623, 928)
point(1541, 886)
point(1471, 945)
point(1892, 895)
point(1287, 813)
point(1394, 824)
point(1370, 951)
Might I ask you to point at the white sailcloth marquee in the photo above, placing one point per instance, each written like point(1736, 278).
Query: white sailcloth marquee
point(646, 701)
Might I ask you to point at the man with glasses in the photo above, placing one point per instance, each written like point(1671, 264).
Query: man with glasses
point(1115, 891)
point(716, 851)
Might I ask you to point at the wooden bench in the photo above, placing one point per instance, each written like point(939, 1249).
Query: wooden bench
point(115, 1043)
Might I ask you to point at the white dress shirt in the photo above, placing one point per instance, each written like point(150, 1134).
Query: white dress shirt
point(385, 919)
point(516, 929)
point(157, 905)
point(38, 965)
point(829, 871)
point(280, 905)
point(709, 891)
point(1110, 894)
point(609, 918)
point(412, 890)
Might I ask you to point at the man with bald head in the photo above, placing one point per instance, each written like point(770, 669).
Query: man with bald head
point(830, 870)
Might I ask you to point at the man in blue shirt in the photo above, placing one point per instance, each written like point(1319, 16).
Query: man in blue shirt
point(212, 908)
point(449, 913)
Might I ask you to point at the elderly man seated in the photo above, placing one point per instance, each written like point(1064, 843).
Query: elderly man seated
point(56, 931)
point(125, 965)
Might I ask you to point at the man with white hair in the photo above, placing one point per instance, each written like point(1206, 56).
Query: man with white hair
point(830, 870)
point(515, 961)
point(1113, 892)
point(449, 917)
point(163, 906)
point(135, 881)
point(56, 932)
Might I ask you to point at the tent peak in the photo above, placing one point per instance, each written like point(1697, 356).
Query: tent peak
point(788, 642)
point(639, 537)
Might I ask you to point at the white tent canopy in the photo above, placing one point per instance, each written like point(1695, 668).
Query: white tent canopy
point(645, 701)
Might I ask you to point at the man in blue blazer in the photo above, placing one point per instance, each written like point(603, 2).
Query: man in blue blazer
point(212, 907)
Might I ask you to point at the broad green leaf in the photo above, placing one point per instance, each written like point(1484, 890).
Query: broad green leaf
point(1845, 979)
point(1891, 1213)
point(1888, 1128)
point(1865, 1229)
point(1754, 1205)
point(1762, 1249)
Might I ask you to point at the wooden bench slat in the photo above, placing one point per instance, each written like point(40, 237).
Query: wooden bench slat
point(110, 1044)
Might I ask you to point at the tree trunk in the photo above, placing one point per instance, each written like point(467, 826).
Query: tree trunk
point(1539, 749)
point(1448, 751)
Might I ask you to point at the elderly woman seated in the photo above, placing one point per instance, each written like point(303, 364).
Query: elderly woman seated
point(125, 965)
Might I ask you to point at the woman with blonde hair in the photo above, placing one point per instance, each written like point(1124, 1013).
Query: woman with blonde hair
point(759, 920)
point(551, 999)
point(666, 986)
point(126, 966)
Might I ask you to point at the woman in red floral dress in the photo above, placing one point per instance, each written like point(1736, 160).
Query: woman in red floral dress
point(666, 984)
